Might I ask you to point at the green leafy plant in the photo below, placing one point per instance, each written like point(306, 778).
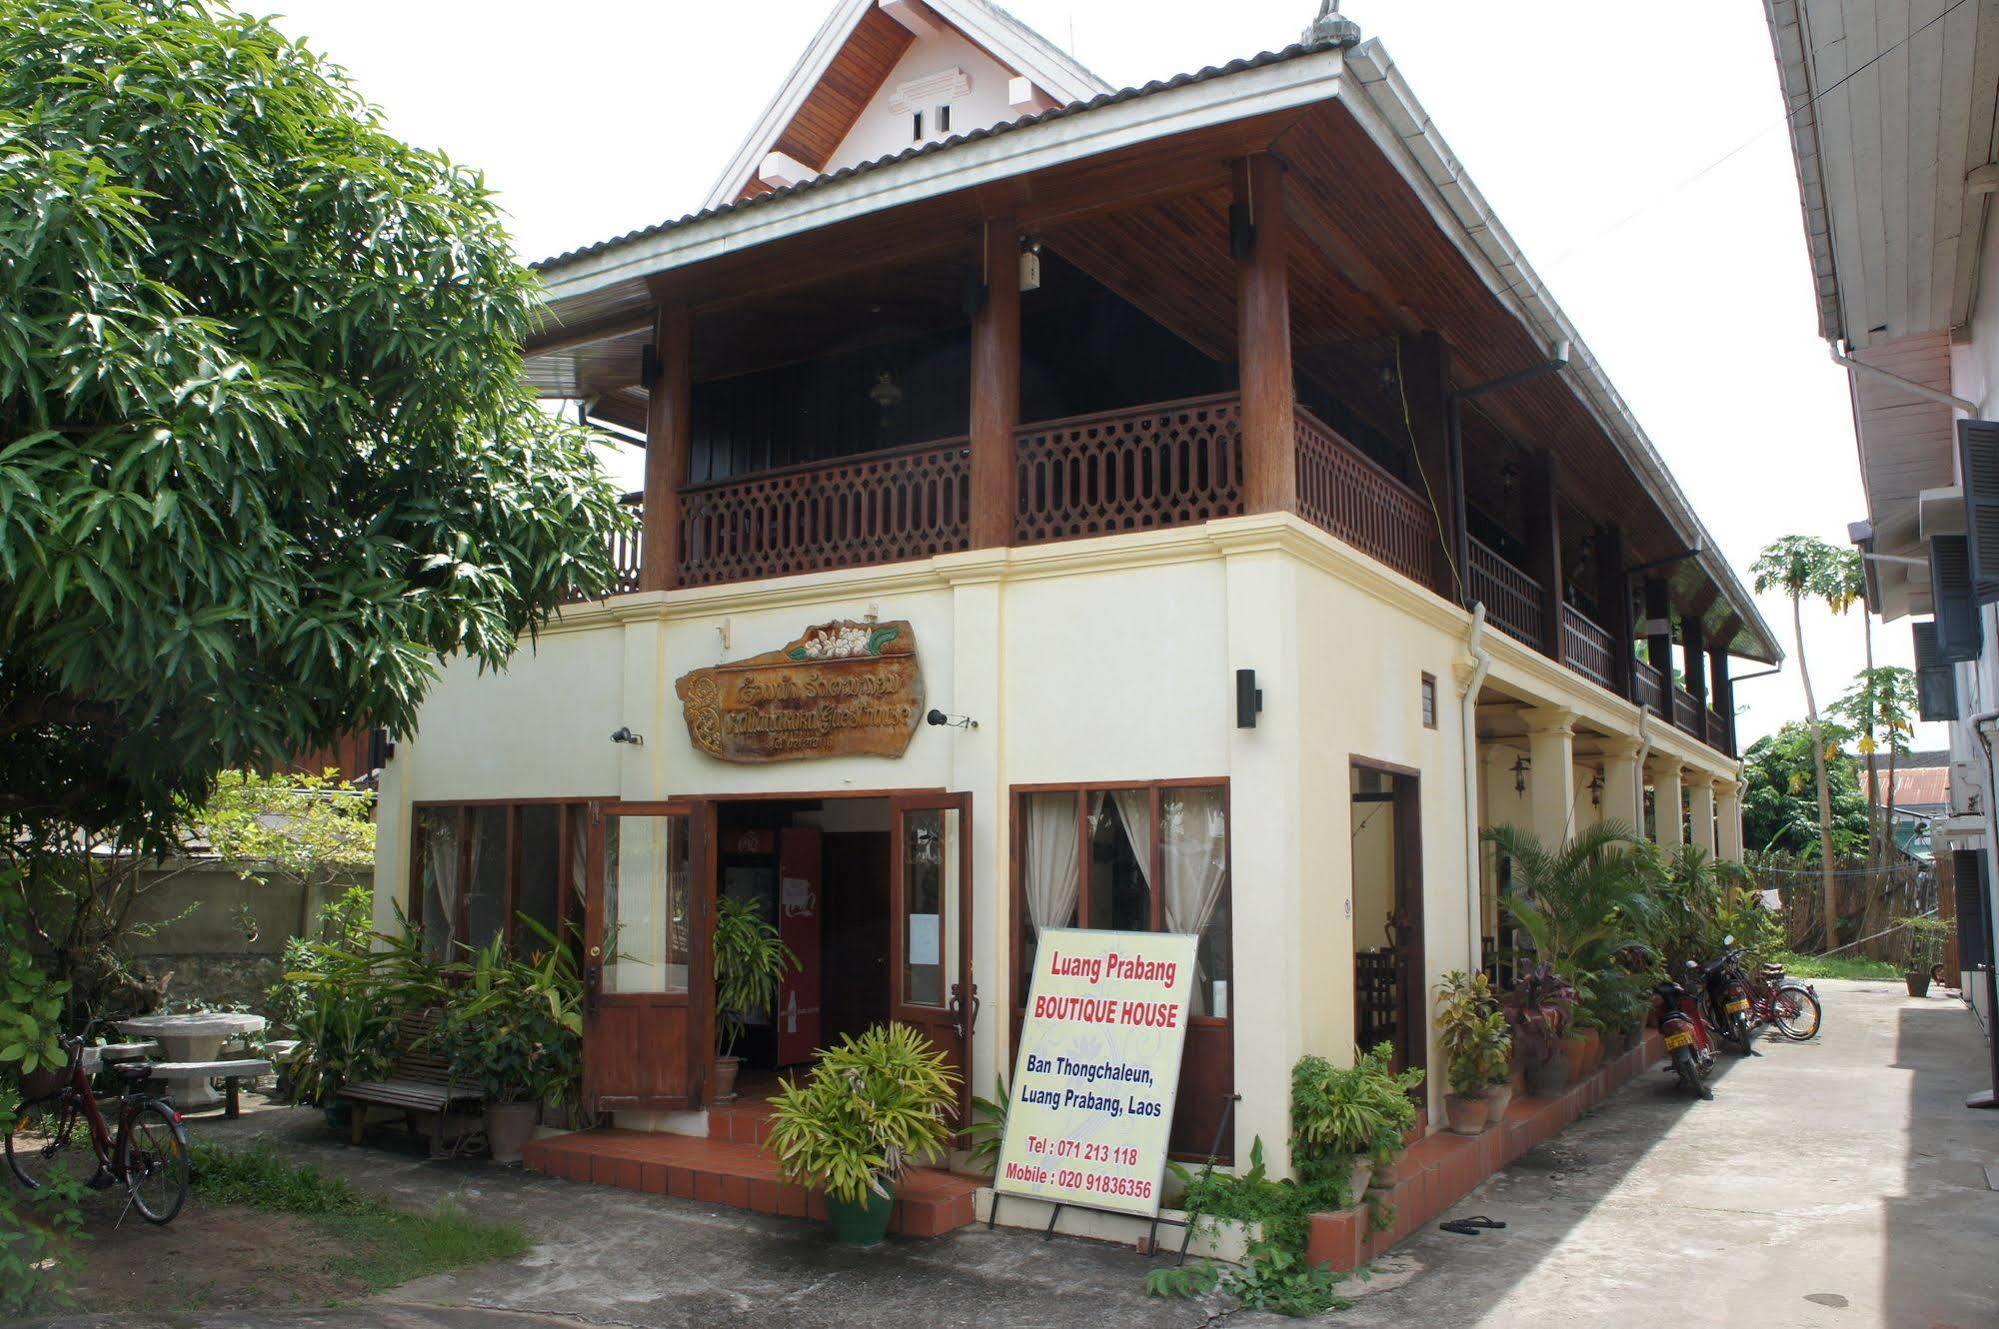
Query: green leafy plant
point(1473, 1033)
point(514, 1025)
point(1925, 935)
point(987, 1131)
point(1583, 902)
point(870, 1106)
point(1538, 1008)
point(349, 999)
point(1275, 1275)
point(38, 1235)
point(1357, 1111)
point(31, 1003)
point(750, 964)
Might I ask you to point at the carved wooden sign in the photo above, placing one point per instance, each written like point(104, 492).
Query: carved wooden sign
point(842, 689)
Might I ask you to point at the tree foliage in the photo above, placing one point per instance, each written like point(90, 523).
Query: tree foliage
point(265, 448)
point(1779, 808)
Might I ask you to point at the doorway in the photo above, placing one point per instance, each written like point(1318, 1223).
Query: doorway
point(1387, 850)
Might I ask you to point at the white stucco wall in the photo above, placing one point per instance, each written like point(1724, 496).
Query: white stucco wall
point(880, 131)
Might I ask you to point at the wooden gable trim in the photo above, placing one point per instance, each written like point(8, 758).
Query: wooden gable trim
point(842, 91)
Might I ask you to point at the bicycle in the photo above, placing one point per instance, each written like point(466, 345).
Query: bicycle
point(1792, 1006)
point(147, 1157)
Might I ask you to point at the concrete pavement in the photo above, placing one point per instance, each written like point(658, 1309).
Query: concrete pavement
point(1838, 1183)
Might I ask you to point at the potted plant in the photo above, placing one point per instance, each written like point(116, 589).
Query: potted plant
point(1538, 1009)
point(750, 963)
point(1926, 935)
point(1353, 1117)
point(1471, 1029)
point(851, 1128)
point(514, 1028)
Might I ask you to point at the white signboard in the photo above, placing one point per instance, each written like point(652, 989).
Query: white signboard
point(1098, 1068)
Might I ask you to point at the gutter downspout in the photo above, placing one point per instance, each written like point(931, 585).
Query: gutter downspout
point(1982, 725)
point(1468, 708)
point(1923, 390)
point(1638, 771)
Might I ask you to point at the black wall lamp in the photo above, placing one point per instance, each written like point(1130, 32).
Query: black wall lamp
point(1521, 765)
point(624, 734)
point(1596, 788)
point(1248, 699)
point(937, 719)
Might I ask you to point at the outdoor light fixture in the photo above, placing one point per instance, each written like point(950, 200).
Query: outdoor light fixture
point(885, 393)
point(937, 719)
point(1596, 788)
point(624, 734)
point(1248, 699)
point(1521, 765)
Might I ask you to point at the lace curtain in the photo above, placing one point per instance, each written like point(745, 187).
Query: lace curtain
point(1053, 857)
point(1194, 857)
point(443, 882)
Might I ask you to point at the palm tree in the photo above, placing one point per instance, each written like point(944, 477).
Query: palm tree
point(1801, 566)
point(1581, 902)
point(1847, 588)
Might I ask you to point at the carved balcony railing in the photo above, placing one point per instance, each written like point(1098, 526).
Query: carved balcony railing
point(1590, 651)
point(1718, 735)
point(1686, 711)
point(877, 507)
point(625, 546)
point(1143, 468)
point(1651, 692)
point(1343, 491)
point(1512, 598)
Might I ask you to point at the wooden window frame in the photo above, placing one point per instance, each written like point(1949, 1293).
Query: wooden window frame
point(459, 930)
point(1427, 700)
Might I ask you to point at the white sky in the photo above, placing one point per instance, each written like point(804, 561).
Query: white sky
point(1636, 153)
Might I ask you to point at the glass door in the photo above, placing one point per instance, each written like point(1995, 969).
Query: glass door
point(645, 958)
point(930, 932)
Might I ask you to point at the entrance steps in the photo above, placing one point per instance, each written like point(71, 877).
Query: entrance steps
point(729, 1168)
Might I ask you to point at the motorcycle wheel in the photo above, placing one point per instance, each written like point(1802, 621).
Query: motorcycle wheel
point(1683, 1066)
point(1796, 1012)
point(1744, 1036)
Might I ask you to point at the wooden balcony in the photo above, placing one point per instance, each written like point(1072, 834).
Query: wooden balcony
point(1143, 468)
point(1651, 692)
point(1343, 491)
point(1512, 598)
point(1588, 649)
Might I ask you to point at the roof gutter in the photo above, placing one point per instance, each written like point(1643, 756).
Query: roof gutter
point(1923, 390)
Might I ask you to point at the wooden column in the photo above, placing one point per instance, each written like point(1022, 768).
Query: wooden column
point(995, 384)
point(1263, 341)
point(1426, 379)
point(1693, 647)
point(1544, 543)
point(1659, 645)
point(669, 418)
point(1724, 696)
point(1613, 598)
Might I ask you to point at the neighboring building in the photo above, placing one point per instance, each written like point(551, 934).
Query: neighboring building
point(1156, 446)
point(1918, 797)
point(1891, 114)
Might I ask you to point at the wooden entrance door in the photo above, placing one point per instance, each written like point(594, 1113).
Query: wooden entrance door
point(930, 927)
point(646, 958)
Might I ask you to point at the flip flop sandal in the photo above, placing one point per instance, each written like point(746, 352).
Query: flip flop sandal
point(1482, 1221)
point(1464, 1227)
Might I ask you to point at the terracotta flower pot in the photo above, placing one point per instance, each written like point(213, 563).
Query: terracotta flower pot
point(1498, 1097)
point(1547, 1078)
point(724, 1078)
point(1467, 1115)
point(1918, 981)
point(1592, 1051)
point(509, 1126)
point(1575, 1049)
point(1361, 1177)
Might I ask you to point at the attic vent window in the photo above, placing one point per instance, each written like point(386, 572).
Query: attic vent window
point(916, 128)
point(944, 118)
point(946, 85)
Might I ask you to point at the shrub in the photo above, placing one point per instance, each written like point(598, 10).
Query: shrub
point(870, 1106)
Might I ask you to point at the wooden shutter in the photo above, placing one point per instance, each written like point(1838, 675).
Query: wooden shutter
point(1958, 635)
point(1974, 929)
point(1978, 468)
point(1936, 677)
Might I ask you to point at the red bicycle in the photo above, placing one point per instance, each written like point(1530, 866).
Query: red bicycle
point(63, 1134)
point(1790, 1005)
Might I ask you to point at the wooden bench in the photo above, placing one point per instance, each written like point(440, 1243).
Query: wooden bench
point(231, 1073)
point(419, 1083)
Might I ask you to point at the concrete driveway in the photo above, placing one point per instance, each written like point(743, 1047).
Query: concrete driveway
point(1838, 1183)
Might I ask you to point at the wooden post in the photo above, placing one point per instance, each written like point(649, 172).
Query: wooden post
point(1724, 695)
point(1613, 597)
point(995, 384)
point(1263, 341)
point(1544, 544)
point(1426, 379)
point(669, 420)
point(1693, 643)
point(1659, 645)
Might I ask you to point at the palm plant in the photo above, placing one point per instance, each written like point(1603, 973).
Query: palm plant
point(1802, 566)
point(750, 964)
point(1583, 902)
point(1881, 700)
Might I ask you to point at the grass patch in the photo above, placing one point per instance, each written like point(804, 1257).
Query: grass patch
point(1835, 966)
point(373, 1242)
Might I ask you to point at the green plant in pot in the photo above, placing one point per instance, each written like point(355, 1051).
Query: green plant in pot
point(1357, 1116)
point(750, 964)
point(1538, 1010)
point(514, 1028)
point(1479, 1048)
point(1926, 936)
point(852, 1127)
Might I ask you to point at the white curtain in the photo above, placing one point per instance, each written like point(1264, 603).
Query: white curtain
point(441, 877)
point(1195, 857)
point(579, 863)
point(1053, 856)
point(1134, 809)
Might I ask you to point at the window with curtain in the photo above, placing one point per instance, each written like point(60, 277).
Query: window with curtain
point(1136, 858)
point(480, 868)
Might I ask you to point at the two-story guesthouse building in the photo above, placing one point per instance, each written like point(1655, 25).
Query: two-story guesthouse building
point(1176, 507)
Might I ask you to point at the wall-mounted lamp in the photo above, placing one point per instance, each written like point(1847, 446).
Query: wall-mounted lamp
point(1248, 699)
point(1596, 788)
point(625, 735)
point(885, 393)
point(1521, 765)
point(937, 719)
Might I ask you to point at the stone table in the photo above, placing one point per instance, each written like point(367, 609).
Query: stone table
point(197, 1036)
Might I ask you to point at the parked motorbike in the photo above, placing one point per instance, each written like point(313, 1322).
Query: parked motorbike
point(1689, 1040)
point(1727, 984)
